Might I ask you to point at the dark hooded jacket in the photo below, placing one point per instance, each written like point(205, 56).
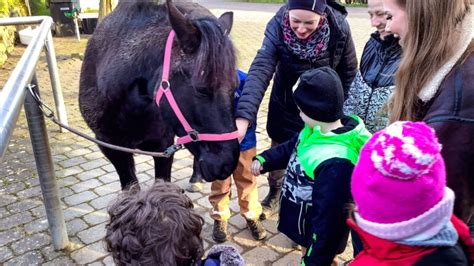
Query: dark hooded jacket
point(275, 58)
point(380, 60)
point(375, 81)
point(316, 187)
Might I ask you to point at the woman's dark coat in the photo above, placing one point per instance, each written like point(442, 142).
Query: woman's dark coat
point(275, 58)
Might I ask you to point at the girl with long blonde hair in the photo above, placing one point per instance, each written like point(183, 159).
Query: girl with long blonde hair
point(435, 82)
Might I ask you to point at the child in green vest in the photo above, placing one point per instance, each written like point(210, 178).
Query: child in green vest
point(319, 163)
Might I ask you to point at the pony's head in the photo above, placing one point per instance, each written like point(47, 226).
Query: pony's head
point(203, 78)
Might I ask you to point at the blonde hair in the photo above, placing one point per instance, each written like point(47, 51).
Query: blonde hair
point(431, 40)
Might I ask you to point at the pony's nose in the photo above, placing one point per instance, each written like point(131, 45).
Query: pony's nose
point(212, 172)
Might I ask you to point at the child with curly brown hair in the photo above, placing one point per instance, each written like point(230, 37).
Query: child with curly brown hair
point(158, 226)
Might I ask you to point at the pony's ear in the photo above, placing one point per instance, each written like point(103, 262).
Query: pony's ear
point(226, 21)
point(188, 35)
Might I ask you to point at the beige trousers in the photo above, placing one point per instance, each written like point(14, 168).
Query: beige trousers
point(247, 191)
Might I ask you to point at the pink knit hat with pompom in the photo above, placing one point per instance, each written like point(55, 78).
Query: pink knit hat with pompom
point(399, 183)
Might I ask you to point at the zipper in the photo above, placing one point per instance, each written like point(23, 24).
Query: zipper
point(372, 89)
point(299, 219)
point(304, 218)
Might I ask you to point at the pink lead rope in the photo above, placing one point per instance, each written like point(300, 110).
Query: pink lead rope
point(165, 88)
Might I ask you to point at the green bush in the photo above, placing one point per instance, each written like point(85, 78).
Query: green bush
point(38, 8)
point(4, 8)
point(16, 6)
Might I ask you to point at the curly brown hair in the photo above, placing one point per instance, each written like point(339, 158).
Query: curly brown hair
point(156, 226)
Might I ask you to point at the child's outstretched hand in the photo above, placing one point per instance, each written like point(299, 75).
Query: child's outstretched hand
point(256, 167)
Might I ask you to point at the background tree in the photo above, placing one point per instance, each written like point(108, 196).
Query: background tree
point(105, 7)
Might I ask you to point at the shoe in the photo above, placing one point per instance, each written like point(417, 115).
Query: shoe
point(194, 187)
point(219, 232)
point(295, 246)
point(271, 203)
point(256, 229)
point(195, 182)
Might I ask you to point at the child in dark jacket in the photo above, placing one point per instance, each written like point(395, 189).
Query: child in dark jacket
point(404, 211)
point(319, 163)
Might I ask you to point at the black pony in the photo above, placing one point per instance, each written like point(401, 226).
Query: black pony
point(123, 65)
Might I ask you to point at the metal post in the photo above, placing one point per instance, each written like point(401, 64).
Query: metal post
point(76, 26)
point(54, 76)
point(45, 167)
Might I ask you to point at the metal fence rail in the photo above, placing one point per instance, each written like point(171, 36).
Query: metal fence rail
point(14, 95)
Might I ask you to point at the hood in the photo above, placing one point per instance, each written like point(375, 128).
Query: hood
point(467, 34)
point(389, 42)
point(226, 255)
point(344, 142)
point(336, 6)
point(354, 135)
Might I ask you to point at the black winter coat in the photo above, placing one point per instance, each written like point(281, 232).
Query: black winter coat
point(275, 58)
point(380, 60)
point(375, 81)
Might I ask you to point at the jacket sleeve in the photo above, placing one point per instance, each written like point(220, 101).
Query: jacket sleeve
point(347, 66)
point(331, 194)
point(277, 157)
point(260, 73)
point(458, 154)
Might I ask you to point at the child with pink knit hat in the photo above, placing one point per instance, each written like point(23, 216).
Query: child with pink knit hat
point(404, 211)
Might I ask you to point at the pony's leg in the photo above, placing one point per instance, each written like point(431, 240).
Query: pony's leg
point(163, 168)
point(162, 164)
point(124, 165)
point(197, 176)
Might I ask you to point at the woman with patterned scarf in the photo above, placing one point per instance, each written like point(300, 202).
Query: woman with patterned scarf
point(303, 35)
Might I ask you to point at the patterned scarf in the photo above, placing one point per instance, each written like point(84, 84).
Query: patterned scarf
point(310, 48)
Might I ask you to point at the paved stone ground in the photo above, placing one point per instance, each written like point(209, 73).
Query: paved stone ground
point(88, 181)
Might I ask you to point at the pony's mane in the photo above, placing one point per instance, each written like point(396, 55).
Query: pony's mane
point(215, 59)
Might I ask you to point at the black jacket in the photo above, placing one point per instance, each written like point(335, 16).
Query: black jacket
point(275, 58)
point(375, 81)
point(318, 225)
point(313, 211)
point(453, 256)
point(380, 60)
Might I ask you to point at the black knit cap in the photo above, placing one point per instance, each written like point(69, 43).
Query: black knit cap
point(319, 94)
point(317, 6)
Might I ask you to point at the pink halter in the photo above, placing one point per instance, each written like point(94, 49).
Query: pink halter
point(165, 88)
